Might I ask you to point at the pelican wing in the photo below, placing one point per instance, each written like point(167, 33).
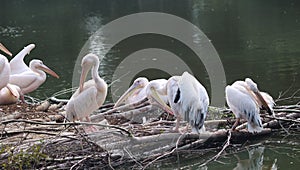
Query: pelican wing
point(23, 80)
point(82, 104)
point(244, 106)
point(17, 64)
point(174, 97)
point(269, 99)
point(194, 101)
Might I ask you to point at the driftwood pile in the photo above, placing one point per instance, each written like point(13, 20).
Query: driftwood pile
point(35, 136)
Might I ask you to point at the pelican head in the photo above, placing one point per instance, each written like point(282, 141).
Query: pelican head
point(153, 95)
point(39, 65)
point(261, 100)
point(138, 84)
point(87, 63)
point(252, 85)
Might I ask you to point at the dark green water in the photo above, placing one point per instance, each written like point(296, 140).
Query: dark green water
point(257, 39)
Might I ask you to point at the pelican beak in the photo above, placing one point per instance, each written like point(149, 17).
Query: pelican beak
point(264, 103)
point(13, 90)
point(4, 49)
point(83, 76)
point(160, 102)
point(49, 71)
point(132, 89)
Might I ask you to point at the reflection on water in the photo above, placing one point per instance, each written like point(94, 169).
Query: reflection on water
point(255, 160)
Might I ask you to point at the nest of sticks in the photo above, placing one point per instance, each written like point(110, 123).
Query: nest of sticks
point(35, 136)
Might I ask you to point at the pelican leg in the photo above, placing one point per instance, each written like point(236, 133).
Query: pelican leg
point(90, 128)
point(22, 97)
point(177, 124)
point(187, 127)
point(237, 121)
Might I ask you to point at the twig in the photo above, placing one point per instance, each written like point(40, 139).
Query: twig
point(282, 119)
point(71, 123)
point(222, 150)
point(132, 157)
point(166, 154)
point(287, 110)
point(83, 159)
point(286, 98)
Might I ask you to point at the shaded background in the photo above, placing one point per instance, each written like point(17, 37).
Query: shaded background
point(257, 39)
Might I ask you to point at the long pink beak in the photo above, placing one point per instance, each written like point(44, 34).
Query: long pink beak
point(160, 102)
point(264, 103)
point(84, 72)
point(4, 49)
point(49, 71)
point(133, 88)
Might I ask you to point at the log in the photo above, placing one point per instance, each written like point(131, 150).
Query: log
point(126, 140)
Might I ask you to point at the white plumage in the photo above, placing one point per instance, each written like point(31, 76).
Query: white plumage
point(9, 93)
point(4, 71)
point(28, 78)
point(188, 100)
point(138, 90)
point(90, 95)
point(245, 101)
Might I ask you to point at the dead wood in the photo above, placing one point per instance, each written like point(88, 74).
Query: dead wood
point(125, 136)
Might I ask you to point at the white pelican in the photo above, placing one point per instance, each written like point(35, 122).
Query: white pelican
point(4, 49)
point(8, 93)
point(137, 91)
point(90, 95)
point(187, 98)
point(4, 71)
point(30, 80)
point(245, 101)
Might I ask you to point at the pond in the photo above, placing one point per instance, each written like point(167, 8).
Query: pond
point(257, 39)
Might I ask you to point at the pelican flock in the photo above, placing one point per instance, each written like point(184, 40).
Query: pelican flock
point(188, 100)
point(181, 95)
point(17, 78)
point(28, 78)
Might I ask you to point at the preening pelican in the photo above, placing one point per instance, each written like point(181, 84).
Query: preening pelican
point(188, 100)
point(90, 95)
point(8, 93)
point(245, 101)
point(138, 91)
point(31, 79)
point(4, 49)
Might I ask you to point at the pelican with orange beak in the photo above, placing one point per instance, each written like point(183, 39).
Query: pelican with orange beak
point(28, 78)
